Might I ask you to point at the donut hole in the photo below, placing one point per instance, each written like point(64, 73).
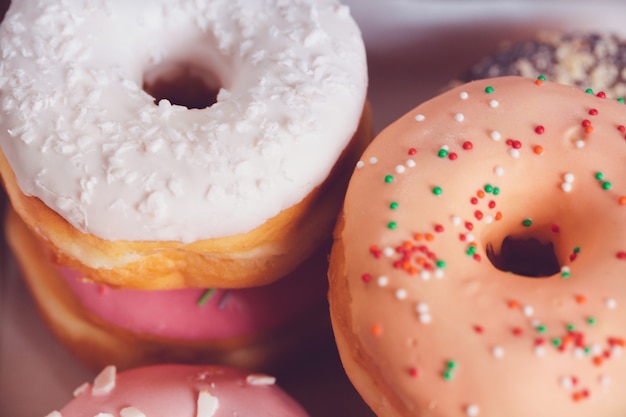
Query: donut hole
point(527, 256)
point(182, 84)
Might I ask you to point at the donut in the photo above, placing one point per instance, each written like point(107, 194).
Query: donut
point(267, 328)
point(181, 391)
point(478, 262)
point(585, 59)
point(171, 144)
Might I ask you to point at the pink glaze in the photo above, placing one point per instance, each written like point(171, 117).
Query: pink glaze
point(182, 391)
point(178, 314)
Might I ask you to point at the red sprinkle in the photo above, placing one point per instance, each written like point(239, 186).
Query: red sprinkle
point(555, 228)
point(517, 331)
point(621, 255)
point(479, 329)
point(478, 214)
point(366, 277)
point(540, 129)
point(438, 228)
point(586, 123)
point(621, 128)
point(601, 94)
point(593, 112)
point(452, 156)
point(412, 151)
point(413, 372)
point(467, 145)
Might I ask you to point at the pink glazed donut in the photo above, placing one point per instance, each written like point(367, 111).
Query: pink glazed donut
point(181, 391)
point(479, 265)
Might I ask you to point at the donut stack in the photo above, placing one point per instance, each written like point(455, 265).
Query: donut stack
point(175, 170)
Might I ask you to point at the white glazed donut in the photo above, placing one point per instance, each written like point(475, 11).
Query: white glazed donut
point(82, 135)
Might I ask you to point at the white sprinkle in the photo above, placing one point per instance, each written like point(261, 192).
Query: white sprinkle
point(131, 412)
point(438, 273)
point(469, 237)
point(382, 281)
point(422, 308)
point(579, 353)
point(565, 269)
point(104, 415)
point(80, 389)
point(410, 163)
point(566, 187)
point(260, 380)
point(493, 104)
point(528, 311)
point(514, 153)
point(373, 160)
point(568, 177)
point(389, 252)
point(425, 275)
point(207, 404)
point(104, 383)
point(400, 169)
point(360, 164)
point(616, 351)
point(540, 351)
point(488, 219)
point(495, 135)
point(420, 118)
point(567, 382)
point(596, 349)
point(579, 144)
point(611, 303)
point(445, 147)
point(55, 413)
point(401, 293)
point(459, 117)
point(472, 410)
point(498, 352)
point(463, 95)
point(456, 220)
point(498, 170)
point(425, 318)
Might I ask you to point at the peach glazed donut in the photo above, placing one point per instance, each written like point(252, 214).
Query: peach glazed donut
point(479, 261)
point(197, 148)
point(181, 391)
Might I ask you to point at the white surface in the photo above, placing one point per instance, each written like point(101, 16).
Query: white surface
point(414, 48)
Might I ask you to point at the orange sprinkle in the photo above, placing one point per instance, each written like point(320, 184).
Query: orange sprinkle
point(622, 200)
point(376, 330)
point(538, 150)
point(418, 236)
point(512, 304)
point(581, 299)
point(480, 194)
point(429, 236)
point(597, 360)
point(498, 216)
point(588, 129)
point(538, 81)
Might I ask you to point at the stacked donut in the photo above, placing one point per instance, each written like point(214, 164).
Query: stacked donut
point(175, 171)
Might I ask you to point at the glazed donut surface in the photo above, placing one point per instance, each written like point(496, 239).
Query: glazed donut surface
point(181, 391)
point(86, 139)
point(479, 262)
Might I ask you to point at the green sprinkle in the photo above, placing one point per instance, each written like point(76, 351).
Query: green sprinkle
point(388, 178)
point(527, 222)
point(496, 191)
point(393, 205)
point(587, 350)
point(599, 176)
point(571, 327)
point(437, 190)
point(451, 365)
point(541, 77)
point(589, 91)
point(440, 263)
point(565, 274)
point(447, 375)
point(621, 99)
point(471, 250)
point(489, 89)
point(577, 249)
point(591, 321)
point(606, 185)
point(442, 153)
point(205, 297)
point(542, 328)
point(392, 225)
point(488, 188)
point(556, 342)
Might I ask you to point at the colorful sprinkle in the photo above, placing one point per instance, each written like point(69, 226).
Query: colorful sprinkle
point(527, 222)
point(420, 118)
point(437, 190)
point(489, 89)
point(205, 296)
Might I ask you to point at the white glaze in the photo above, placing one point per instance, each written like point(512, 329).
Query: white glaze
point(82, 135)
